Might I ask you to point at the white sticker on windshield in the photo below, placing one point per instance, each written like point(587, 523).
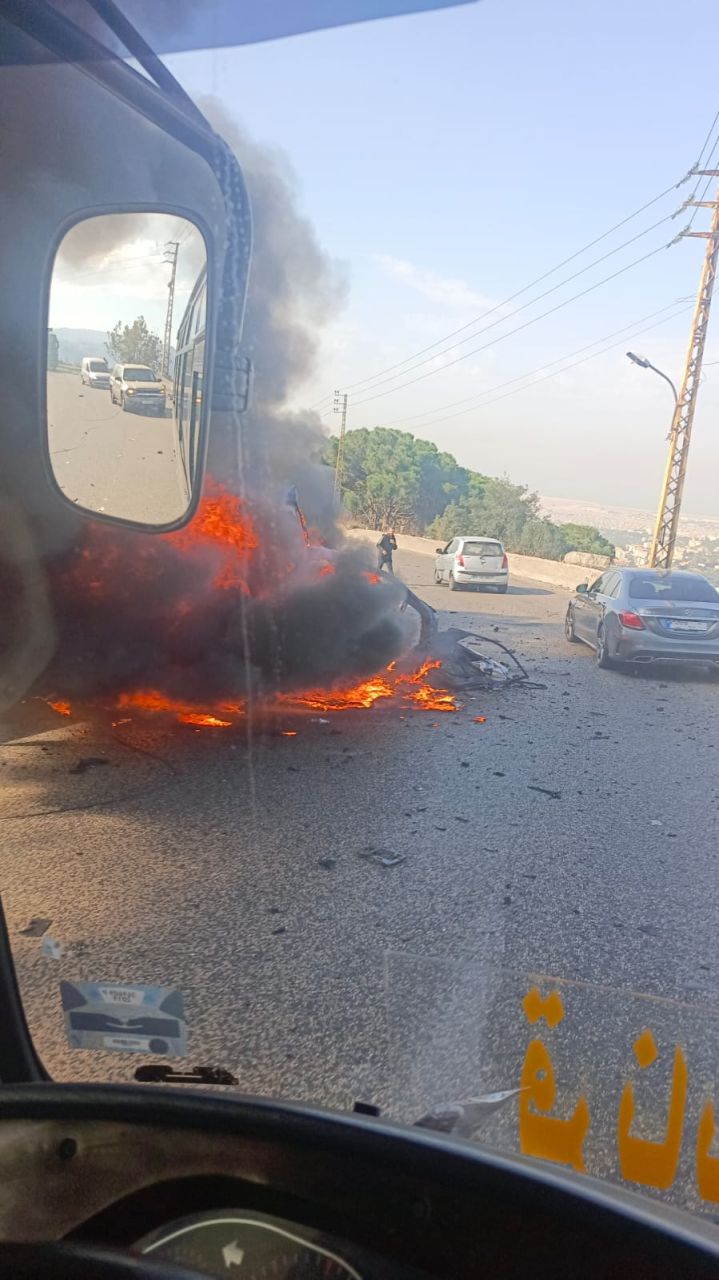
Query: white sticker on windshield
point(124, 1018)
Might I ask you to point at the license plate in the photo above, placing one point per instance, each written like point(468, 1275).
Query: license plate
point(680, 624)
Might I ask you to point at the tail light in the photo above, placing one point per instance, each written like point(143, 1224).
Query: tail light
point(460, 560)
point(505, 561)
point(630, 619)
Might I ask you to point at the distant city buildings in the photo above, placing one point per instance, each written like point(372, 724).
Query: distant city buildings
point(701, 554)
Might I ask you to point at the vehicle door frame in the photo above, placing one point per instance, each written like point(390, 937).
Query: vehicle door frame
point(594, 601)
point(453, 542)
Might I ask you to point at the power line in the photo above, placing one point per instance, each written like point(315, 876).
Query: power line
point(531, 302)
point(611, 347)
point(700, 158)
point(325, 399)
point(483, 315)
point(476, 397)
point(708, 181)
point(373, 378)
point(533, 320)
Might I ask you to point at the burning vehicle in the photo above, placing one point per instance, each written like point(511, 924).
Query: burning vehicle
point(256, 606)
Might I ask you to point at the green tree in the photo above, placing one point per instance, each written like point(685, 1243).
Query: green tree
point(134, 344)
point(493, 507)
point(390, 478)
point(584, 537)
point(544, 539)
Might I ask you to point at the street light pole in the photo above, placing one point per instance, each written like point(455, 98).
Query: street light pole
point(647, 364)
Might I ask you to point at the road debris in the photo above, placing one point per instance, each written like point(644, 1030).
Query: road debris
point(36, 928)
point(88, 762)
point(466, 665)
point(52, 949)
point(327, 864)
point(384, 857)
point(464, 1118)
point(546, 791)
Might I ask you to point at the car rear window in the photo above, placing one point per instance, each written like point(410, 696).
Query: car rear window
point(98, 366)
point(672, 587)
point(482, 549)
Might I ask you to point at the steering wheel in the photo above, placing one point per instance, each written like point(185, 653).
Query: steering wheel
point(84, 1262)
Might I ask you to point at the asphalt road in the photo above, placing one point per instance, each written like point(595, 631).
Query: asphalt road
point(571, 833)
point(109, 461)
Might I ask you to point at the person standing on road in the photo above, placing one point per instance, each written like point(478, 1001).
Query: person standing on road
point(386, 545)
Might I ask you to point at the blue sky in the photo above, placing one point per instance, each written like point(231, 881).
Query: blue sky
point(447, 160)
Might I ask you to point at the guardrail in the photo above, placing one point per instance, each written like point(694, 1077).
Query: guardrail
point(551, 572)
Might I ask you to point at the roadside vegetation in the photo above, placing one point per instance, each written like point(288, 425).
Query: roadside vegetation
point(392, 479)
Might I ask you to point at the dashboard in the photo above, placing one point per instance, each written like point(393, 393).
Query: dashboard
point(256, 1246)
point(249, 1189)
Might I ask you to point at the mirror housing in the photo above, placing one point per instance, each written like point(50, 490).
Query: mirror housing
point(439, 551)
point(171, 163)
point(582, 589)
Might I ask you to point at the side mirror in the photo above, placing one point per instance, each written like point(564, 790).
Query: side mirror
point(439, 551)
point(582, 589)
point(170, 179)
point(128, 290)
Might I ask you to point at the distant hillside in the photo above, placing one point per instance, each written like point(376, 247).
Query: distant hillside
point(76, 343)
point(614, 519)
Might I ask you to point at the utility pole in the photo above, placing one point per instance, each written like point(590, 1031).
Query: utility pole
point(340, 406)
point(670, 502)
point(171, 251)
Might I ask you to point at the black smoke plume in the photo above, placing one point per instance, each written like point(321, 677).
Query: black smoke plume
point(146, 611)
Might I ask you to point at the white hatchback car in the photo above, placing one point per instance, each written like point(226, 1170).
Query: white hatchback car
point(473, 562)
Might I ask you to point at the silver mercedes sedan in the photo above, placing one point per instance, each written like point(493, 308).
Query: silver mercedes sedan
point(646, 615)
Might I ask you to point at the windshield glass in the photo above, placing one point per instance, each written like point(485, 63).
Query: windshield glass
point(98, 366)
point(369, 824)
point(672, 587)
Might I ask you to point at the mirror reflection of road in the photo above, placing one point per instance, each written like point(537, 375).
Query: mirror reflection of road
point(573, 833)
point(109, 461)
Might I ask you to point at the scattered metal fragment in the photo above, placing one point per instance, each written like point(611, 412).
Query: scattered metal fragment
point(385, 857)
point(546, 791)
point(464, 1118)
point(88, 762)
point(36, 928)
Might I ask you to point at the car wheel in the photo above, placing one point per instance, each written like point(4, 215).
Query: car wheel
point(452, 583)
point(123, 402)
point(569, 631)
point(437, 577)
point(602, 655)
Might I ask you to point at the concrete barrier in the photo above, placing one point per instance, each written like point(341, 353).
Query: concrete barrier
point(552, 572)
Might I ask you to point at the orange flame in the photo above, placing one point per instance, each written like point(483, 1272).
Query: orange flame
point(360, 695)
point(327, 570)
point(62, 707)
point(409, 688)
point(207, 722)
point(153, 700)
point(372, 578)
point(221, 521)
